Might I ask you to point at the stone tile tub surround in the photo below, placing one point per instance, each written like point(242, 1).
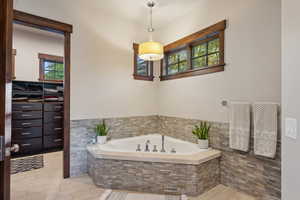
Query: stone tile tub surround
point(257, 176)
point(154, 177)
point(242, 171)
point(82, 134)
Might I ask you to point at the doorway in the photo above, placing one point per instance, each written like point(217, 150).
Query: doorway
point(7, 17)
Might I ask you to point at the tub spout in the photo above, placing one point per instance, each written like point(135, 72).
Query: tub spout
point(163, 144)
point(147, 146)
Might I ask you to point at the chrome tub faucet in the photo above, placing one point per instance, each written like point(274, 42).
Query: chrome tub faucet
point(147, 146)
point(162, 144)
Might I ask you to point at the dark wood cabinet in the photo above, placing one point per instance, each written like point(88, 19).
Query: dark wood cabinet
point(53, 141)
point(24, 133)
point(29, 146)
point(20, 115)
point(53, 107)
point(37, 127)
point(53, 128)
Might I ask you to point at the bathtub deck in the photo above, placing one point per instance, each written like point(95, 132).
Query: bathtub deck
point(192, 159)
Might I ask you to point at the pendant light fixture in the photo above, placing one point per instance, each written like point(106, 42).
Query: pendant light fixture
point(151, 51)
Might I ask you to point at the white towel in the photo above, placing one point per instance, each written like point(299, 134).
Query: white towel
point(239, 132)
point(265, 129)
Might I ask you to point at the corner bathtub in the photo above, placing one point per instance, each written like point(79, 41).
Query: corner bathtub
point(117, 165)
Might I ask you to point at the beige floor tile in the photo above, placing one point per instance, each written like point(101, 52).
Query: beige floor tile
point(222, 193)
point(47, 183)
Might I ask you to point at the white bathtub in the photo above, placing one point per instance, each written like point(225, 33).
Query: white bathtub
point(126, 149)
point(130, 145)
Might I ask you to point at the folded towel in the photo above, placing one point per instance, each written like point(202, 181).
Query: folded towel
point(265, 129)
point(239, 132)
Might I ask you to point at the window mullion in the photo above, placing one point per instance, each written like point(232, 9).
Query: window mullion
point(147, 68)
point(189, 57)
point(167, 64)
point(206, 59)
point(178, 64)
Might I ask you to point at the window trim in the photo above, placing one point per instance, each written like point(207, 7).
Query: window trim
point(136, 76)
point(192, 40)
point(42, 58)
point(13, 66)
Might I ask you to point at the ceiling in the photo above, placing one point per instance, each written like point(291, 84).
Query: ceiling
point(164, 12)
point(136, 11)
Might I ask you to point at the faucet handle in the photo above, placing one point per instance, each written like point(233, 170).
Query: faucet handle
point(138, 147)
point(173, 150)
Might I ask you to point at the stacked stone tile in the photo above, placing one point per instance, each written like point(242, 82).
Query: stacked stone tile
point(153, 177)
point(246, 172)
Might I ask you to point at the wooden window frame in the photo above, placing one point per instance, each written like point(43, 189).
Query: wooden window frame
point(204, 36)
point(166, 59)
point(136, 76)
point(13, 64)
point(47, 57)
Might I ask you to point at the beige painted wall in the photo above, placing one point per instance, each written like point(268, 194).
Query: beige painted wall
point(102, 60)
point(252, 55)
point(29, 43)
point(102, 84)
point(290, 97)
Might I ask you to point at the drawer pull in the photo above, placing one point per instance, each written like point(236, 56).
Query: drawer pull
point(58, 140)
point(58, 129)
point(25, 145)
point(26, 124)
point(58, 117)
point(26, 115)
point(58, 107)
point(26, 133)
point(26, 107)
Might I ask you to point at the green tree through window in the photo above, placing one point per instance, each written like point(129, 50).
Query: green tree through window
point(51, 68)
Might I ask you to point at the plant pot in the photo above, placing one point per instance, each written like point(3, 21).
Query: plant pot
point(203, 144)
point(101, 139)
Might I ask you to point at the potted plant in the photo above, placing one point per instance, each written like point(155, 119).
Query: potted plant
point(201, 131)
point(101, 131)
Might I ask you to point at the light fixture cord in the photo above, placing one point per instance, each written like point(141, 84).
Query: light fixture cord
point(150, 29)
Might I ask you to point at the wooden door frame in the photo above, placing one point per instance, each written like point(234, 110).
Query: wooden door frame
point(47, 24)
point(6, 18)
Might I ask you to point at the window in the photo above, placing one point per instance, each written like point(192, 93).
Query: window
point(51, 68)
point(196, 54)
point(13, 64)
point(177, 62)
point(143, 70)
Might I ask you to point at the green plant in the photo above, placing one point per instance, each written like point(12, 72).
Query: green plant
point(101, 129)
point(201, 131)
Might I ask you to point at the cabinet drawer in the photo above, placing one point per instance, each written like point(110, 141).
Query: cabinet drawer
point(26, 123)
point(53, 141)
point(53, 117)
point(24, 133)
point(53, 128)
point(26, 106)
point(18, 115)
point(29, 146)
point(53, 107)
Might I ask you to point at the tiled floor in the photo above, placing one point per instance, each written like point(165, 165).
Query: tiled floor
point(223, 193)
point(47, 184)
